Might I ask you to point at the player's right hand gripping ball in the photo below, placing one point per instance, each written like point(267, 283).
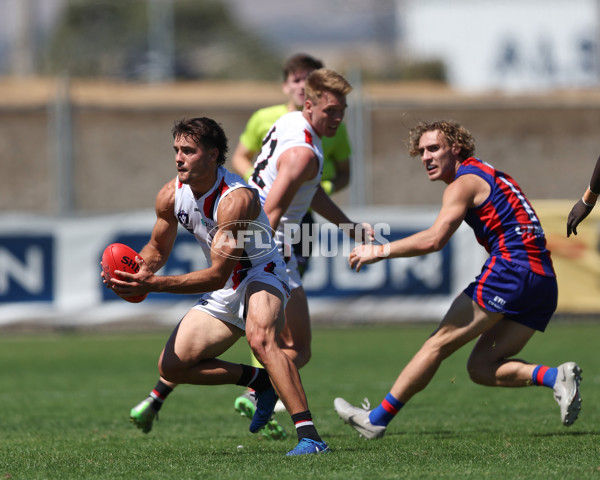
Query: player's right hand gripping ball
point(118, 256)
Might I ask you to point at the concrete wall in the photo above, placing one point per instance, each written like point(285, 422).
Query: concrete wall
point(122, 146)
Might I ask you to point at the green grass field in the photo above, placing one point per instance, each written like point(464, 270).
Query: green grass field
point(65, 401)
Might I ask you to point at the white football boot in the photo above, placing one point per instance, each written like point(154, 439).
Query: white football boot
point(566, 392)
point(358, 418)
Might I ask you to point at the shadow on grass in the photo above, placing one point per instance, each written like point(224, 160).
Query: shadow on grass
point(566, 434)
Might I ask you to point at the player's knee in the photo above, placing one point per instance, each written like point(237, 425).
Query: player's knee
point(259, 344)
point(478, 371)
point(297, 349)
point(302, 356)
point(168, 372)
point(168, 369)
point(475, 376)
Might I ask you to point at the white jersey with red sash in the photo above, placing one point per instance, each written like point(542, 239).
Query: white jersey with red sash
point(199, 217)
point(290, 131)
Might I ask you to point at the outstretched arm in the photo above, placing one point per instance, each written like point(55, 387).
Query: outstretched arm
point(458, 197)
point(327, 208)
point(585, 205)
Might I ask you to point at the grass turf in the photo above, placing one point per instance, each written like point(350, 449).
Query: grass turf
point(66, 398)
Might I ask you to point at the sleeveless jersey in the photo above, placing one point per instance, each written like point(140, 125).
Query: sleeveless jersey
point(505, 223)
point(291, 130)
point(199, 217)
point(335, 149)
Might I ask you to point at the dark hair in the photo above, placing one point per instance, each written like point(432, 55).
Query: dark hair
point(454, 133)
point(300, 62)
point(204, 132)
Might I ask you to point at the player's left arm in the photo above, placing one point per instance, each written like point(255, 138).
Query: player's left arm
point(338, 154)
point(458, 197)
point(235, 211)
point(327, 208)
point(341, 178)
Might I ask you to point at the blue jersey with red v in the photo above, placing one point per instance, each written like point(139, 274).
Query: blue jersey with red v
point(506, 224)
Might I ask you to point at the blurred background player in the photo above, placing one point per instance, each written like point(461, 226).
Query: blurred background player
point(514, 296)
point(584, 206)
point(244, 287)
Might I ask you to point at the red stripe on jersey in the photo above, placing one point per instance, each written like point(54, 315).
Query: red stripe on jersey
point(536, 263)
point(239, 273)
point(209, 203)
point(211, 200)
point(483, 278)
point(523, 218)
point(308, 137)
point(514, 201)
point(539, 378)
point(489, 216)
point(223, 187)
point(270, 267)
point(484, 167)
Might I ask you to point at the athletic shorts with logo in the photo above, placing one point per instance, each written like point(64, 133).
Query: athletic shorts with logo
point(229, 304)
point(518, 293)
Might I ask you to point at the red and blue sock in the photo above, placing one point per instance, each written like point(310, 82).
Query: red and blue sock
point(544, 376)
point(386, 411)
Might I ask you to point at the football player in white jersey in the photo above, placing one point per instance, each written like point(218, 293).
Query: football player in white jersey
point(287, 173)
point(244, 288)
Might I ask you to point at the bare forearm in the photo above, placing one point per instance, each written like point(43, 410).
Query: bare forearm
point(420, 243)
point(327, 208)
point(190, 283)
point(153, 257)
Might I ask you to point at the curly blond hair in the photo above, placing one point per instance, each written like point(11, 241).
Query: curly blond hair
point(454, 133)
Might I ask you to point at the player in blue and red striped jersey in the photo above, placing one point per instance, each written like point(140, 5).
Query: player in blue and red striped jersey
point(514, 296)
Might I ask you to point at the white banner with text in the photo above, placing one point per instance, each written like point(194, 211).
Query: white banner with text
point(50, 270)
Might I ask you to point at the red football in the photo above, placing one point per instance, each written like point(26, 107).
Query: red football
point(121, 257)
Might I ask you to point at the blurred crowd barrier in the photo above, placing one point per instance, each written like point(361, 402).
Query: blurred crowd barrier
point(50, 269)
point(50, 274)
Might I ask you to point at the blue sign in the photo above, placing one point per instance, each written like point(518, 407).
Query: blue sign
point(186, 256)
point(329, 274)
point(26, 266)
